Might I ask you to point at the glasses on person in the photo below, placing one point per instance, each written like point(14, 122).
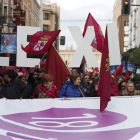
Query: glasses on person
point(130, 86)
point(86, 78)
point(51, 80)
point(123, 86)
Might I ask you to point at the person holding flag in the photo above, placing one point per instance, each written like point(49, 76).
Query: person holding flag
point(40, 42)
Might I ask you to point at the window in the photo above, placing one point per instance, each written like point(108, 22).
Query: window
point(45, 28)
point(126, 23)
point(45, 16)
point(126, 35)
point(5, 10)
point(5, 14)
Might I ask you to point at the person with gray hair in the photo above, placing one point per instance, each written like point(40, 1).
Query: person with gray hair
point(130, 90)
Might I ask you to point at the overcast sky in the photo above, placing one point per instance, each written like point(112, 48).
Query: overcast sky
point(79, 9)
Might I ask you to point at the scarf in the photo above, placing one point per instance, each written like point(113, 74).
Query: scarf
point(47, 86)
point(47, 91)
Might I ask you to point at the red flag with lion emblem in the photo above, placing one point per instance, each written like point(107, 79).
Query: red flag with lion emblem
point(40, 42)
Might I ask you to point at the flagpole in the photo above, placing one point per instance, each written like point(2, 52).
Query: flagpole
point(116, 73)
point(43, 57)
point(84, 75)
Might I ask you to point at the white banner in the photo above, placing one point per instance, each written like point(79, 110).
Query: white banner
point(79, 119)
point(113, 43)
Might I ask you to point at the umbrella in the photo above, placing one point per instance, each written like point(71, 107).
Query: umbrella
point(3, 69)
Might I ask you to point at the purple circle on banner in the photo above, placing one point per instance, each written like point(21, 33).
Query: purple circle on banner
point(5, 138)
point(68, 119)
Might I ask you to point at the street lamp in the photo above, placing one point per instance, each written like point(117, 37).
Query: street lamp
point(11, 26)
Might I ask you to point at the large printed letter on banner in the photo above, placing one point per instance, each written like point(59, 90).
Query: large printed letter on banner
point(113, 42)
point(22, 60)
point(4, 61)
point(83, 48)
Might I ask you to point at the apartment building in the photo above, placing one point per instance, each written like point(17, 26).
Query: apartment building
point(123, 25)
point(51, 18)
point(134, 28)
point(35, 12)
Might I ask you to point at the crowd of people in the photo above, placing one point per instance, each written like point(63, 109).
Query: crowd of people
point(40, 85)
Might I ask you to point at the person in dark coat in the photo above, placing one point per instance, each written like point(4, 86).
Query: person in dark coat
point(35, 76)
point(23, 78)
point(13, 88)
point(94, 88)
point(72, 88)
point(86, 84)
point(136, 80)
point(1, 85)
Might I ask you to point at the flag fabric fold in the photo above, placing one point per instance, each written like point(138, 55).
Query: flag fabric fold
point(104, 83)
point(92, 73)
point(119, 71)
point(56, 67)
point(40, 42)
point(30, 69)
point(114, 88)
point(98, 41)
point(127, 75)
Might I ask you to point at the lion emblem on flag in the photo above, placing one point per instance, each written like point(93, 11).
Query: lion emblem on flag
point(41, 43)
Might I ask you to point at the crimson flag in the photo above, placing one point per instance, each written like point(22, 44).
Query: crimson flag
point(96, 70)
point(86, 72)
point(114, 88)
point(56, 67)
point(40, 42)
point(98, 41)
point(119, 71)
point(24, 71)
point(43, 64)
point(92, 73)
point(104, 83)
point(127, 75)
point(30, 69)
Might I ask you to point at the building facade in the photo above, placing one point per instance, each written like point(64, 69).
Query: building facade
point(25, 6)
point(35, 11)
point(134, 28)
point(23, 13)
point(123, 25)
point(51, 18)
point(116, 10)
point(19, 14)
point(67, 55)
point(6, 11)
